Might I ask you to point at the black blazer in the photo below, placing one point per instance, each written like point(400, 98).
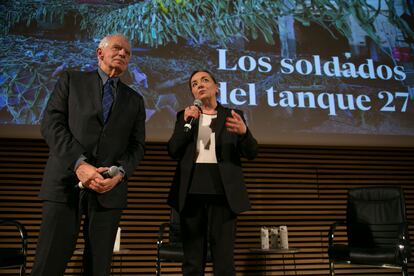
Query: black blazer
point(73, 125)
point(229, 148)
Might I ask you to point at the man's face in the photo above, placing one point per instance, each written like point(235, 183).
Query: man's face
point(114, 56)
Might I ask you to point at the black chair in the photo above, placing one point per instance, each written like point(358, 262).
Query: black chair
point(171, 249)
point(376, 228)
point(14, 256)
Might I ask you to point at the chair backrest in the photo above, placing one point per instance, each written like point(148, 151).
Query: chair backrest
point(13, 252)
point(174, 231)
point(375, 216)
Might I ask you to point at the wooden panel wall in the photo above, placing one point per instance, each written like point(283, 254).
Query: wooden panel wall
point(301, 187)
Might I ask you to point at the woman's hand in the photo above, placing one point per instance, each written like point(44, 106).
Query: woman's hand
point(236, 124)
point(191, 111)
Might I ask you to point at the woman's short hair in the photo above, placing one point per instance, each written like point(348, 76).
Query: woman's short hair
point(201, 70)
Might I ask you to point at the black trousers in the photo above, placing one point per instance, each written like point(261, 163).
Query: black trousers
point(208, 219)
point(59, 232)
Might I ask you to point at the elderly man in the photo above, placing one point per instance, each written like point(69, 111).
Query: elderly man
point(92, 122)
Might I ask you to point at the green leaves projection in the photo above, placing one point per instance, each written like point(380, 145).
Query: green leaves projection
point(159, 22)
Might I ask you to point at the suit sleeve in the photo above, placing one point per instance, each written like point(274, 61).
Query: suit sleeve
point(136, 145)
point(247, 144)
point(179, 139)
point(55, 128)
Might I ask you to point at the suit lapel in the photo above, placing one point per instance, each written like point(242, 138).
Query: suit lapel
point(96, 94)
point(221, 119)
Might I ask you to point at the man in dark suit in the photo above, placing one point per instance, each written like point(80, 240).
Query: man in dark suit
point(92, 121)
point(208, 189)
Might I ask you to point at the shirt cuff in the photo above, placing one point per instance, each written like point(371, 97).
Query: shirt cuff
point(79, 161)
point(121, 169)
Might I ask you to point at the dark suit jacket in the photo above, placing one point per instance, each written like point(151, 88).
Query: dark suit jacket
point(73, 125)
point(229, 148)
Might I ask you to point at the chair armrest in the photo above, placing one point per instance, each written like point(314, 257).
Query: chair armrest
point(403, 240)
point(332, 230)
point(161, 233)
point(21, 229)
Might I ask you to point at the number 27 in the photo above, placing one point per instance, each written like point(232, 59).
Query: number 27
point(389, 97)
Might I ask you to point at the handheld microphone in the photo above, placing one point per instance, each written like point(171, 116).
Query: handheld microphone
point(111, 172)
point(190, 120)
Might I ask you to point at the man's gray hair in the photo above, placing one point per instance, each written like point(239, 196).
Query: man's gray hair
point(105, 41)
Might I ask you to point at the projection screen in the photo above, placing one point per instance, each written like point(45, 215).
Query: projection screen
point(304, 73)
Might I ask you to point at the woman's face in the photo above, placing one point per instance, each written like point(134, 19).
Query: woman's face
point(203, 87)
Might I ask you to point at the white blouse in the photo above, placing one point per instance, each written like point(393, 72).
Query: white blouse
point(206, 141)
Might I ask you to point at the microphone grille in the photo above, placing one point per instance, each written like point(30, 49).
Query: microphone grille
point(113, 170)
point(198, 103)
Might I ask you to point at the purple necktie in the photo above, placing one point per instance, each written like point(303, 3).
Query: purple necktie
point(107, 98)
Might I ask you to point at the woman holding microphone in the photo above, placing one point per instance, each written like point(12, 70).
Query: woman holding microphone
point(208, 189)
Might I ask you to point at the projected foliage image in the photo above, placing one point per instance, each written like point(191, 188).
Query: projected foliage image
point(294, 67)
